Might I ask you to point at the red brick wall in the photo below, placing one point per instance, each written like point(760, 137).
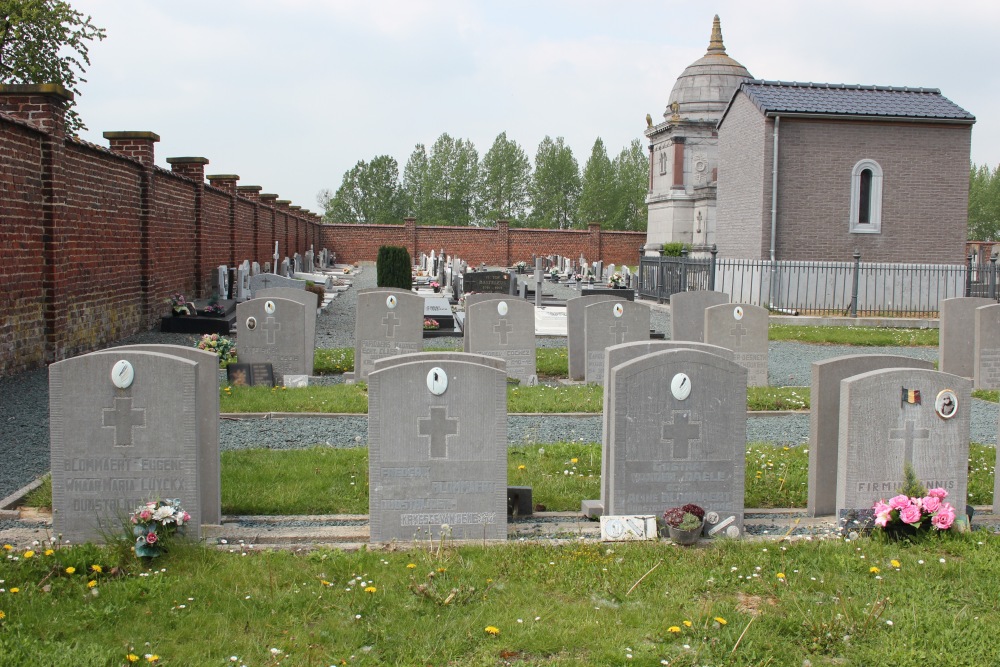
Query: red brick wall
point(93, 241)
point(497, 246)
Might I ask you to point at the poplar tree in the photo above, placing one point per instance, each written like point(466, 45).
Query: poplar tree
point(504, 177)
point(598, 188)
point(555, 185)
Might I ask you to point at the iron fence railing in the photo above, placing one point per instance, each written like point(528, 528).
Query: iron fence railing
point(853, 288)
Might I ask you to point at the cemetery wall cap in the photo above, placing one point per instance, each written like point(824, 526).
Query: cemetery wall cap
point(222, 177)
point(295, 208)
point(268, 195)
point(283, 201)
point(133, 134)
point(187, 160)
point(56, 89)
point(249, 188)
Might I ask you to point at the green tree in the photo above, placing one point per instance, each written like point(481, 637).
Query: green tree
point(370, 193)
point(46, 41)
point(555, 185)
point(984, 203)
point(597, 191)
point(450, 183)
point(415, 181)
point(631, 169)
point(504, 177)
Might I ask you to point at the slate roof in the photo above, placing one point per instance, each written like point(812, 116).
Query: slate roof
point(776, 97)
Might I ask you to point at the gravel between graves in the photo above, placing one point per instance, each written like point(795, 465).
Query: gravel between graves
point(24, 447)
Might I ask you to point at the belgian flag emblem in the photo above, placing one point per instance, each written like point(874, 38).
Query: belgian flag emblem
point(911, 396)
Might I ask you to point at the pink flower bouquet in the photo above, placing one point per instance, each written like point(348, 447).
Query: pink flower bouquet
point(904, 516)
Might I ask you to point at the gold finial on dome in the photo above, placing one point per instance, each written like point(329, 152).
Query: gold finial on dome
point(715, 45)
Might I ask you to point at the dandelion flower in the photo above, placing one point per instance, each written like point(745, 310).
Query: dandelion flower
point(874, 570)
point(49, 552)
point(324, 582)
point(2, 615)
point(370, 589)
point(132, 657)
point(98, 569)
point(91, 583)
point(411, 566)
point(7, 547)
point(574, 460)
point(15, 589)
point(70, 570)
point(492, 630)
point(29, 554)
point(687, 624)
point(674, 629)
point(780, 575)
point(720, 620)
point(522, 467)
point(894, 563)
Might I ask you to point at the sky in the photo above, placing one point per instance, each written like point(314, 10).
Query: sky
point(291, 94)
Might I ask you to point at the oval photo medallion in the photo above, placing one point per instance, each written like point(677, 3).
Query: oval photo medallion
point(251, 323)
point(738, 312)
point(946, 404)
point(390, 301)
point(502, 308)
point(437, 381)
point(269, 307)
point(619, 310)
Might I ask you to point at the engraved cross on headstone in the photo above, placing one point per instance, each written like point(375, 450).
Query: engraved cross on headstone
point(438, 427)
point(503, 328)
point(266, 281)
point(270, 327)
point(681, 432)
point(739, 331)
point(908, 434)
point(391, 322)
point(618, 330)
point(123, 418)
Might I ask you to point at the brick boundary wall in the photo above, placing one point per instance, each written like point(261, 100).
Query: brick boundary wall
point(501, 245)
point(94, 240)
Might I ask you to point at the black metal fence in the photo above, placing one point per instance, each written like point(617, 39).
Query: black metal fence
point(855, 288)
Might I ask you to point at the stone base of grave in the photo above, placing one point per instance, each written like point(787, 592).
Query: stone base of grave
point(197, 324)
point(442, 333)
point(592, 509)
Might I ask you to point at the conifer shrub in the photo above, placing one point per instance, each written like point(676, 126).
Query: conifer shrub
point(393, 268)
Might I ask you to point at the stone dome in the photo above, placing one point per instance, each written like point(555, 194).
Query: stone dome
point(704, 89)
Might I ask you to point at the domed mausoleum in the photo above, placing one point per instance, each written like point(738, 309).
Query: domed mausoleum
point(684, 150)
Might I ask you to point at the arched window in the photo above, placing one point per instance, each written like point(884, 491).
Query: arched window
point(866, 197)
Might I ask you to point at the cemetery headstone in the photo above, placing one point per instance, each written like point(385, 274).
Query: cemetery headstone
point(824, 420)
point(285, 268)
point(297, 263)
point(494, 282)
point(471, 300)
point(254, 269)
point(388, 322)
point(743, 329)
point(677, 435)
point(987, 347)
point(437, 438)
point(505, 328)
point(956, 350)
point(243, 282)
point(687, 313)
point(309, 263)
point(894, 417)
point(439, 310)
point(125, 429)
point(273, 330)
point(310, 301)
point(609, 323)
point(575, 343)
point(220, 283)
point(270, 280)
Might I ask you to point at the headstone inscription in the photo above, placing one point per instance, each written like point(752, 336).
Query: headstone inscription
point(208, 423)
point(273, 330)
point(619, 354)
point(125, 429)
point(505, 328)
point(987, 347)
point(494, 282)
point(437, 437)
point(956, 349)
point(743, 329)
point(575, 343)
point(388, 322)
point(310, 301)
point(677, 435)
point(687, 313)
point(270, 280)
point(892, 418)
point(609, 323)
point(824, 420)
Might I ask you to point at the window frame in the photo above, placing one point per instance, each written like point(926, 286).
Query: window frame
point(874, 226)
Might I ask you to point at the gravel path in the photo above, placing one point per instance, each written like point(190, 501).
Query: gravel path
point(24, 444)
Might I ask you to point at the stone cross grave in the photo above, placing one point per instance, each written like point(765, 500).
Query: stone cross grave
point(687, 313)
point(607, 323)
point(957, 327)
point(273, 331)
point(743, 329)
point(310, 301)
point(388, 322)
point(677, 435)
point(986, 348)
point(126, 427)
point(575, 344)
point(504, 328)
point(824, 419)
point(893, 417)
point(437, 448)
point(619, 354)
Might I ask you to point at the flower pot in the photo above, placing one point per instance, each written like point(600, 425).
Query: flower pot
point(685, 537)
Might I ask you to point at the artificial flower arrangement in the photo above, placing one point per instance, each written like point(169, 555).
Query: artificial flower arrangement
point(521, 266)
point(155, 522)
point(214, 310)
point(430, 325)
point(221, 345)
point(907, 516)
point(435, 285)
point(179, 305)
point(616, 281)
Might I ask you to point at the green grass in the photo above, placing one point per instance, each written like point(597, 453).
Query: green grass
point(863, 336)
point(551, 362)
point(345, 398)
point(777, 398)
point(336, 360)
point(554, 605)
point(991, 395)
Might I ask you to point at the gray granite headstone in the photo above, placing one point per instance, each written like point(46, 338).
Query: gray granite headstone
point(987, 347)
point(742, 328)
point(438, 308)
point(254, 269)
point(308, 299)
point(677, 435)
point(880, 432)
point(505, 328)
point(619, 354)
point(242, 282)
point(575, 343)
point(297, 263)
point(956, 334)
point(388, 322)
point(286, 268)
point(471, 300)
point(115, 446)
point(687, 313)
point(607, 323)
point(273, 331)
point(208, 423)
point(437, 448)
point(824, 419)
point(309, 264)
point(220, 282)
point(269, 280)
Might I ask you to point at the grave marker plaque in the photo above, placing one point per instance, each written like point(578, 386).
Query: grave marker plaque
point(494, 282)
point(388, 322)
point(687, 313)
point(505, 328)
point(575, 343)
point(607, 323)
point(437, 435)
point(310, 303)
point(743, 329)
point(273, 331)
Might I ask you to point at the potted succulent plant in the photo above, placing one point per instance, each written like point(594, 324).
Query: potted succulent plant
point(684, 524)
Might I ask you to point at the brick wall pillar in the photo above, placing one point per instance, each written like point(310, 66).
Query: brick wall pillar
point(225, 182)
point(194, 168)
point(45, 107)
point(410, 234)
point(136, 145)
point(503, 242)
point(251, 192)
point(594, 249)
